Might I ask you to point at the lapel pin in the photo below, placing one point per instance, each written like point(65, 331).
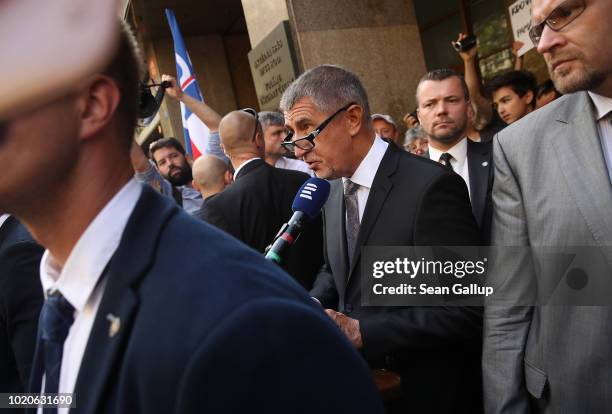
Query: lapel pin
point(115, 325)
point(484, 164)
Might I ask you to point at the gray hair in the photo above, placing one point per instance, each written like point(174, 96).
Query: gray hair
point(414, 133)
point(330, 87)
point(269, 118)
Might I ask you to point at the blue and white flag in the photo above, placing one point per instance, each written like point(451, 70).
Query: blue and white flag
point(196, 132)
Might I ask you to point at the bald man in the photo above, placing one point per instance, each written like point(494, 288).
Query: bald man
point(210, 175)
point(257, 204)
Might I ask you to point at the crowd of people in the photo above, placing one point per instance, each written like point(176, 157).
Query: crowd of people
point(154, 293)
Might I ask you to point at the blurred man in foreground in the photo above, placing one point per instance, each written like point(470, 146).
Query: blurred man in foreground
point(120, 318)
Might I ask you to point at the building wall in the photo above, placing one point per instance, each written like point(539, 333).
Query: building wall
point(378, 40)
point(262, 16)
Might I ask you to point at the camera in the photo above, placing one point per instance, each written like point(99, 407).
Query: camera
point(465, 44)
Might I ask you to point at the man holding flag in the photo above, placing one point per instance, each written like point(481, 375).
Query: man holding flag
point(197, 133)
point(172, 156)
point(200, 128)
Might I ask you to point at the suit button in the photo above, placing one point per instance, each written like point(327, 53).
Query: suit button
point(348, 308)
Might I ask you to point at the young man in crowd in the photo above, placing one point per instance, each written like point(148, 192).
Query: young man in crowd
point(513, 94)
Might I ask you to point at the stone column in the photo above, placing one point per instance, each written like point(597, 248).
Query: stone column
point(378, 40)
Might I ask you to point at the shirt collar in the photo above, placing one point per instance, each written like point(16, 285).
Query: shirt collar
point(603, 105)
point(365, 173)
point(458, 151)
point(3, 218)
point(243, 164)
point(89, 257)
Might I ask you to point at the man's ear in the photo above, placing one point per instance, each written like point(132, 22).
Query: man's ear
point(228, 177)
point(98, 103)
point(354, 118)
point(530, 98)
point(259, 140)
point(196, 186)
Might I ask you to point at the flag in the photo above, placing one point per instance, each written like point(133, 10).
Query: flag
point(196, 132)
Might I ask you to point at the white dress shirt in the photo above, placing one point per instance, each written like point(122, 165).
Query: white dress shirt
point(79, 280)
point(3, 218)
point(365, 173)
point(603, 106)
point(291, 164)
point(458, 162)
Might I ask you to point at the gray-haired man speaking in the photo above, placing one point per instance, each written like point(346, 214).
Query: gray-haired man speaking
point(385, 196)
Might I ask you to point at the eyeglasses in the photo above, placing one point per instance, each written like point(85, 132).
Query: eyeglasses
point(254, 113)
point(307, 143)
point(561, 16)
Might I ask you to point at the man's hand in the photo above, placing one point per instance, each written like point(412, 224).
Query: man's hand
point(468, 55)
point(349, 326)
point(140, 162)
point(410, 120)
point(516, 46)
point(518, 60)
point(174, 91)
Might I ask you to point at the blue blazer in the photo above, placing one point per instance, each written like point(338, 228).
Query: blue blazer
point(206, 325)
point(21, 298)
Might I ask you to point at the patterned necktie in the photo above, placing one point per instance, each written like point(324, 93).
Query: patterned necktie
point(352, 216)
point(445, 159)
point(56, 317)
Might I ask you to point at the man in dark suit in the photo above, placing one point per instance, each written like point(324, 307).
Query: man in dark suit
point(384, 196)
point(147, 309)
point(444, 102)
point(20, 301)
point(256, 205)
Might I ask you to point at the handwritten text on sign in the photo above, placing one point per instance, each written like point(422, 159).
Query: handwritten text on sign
point(520, 19)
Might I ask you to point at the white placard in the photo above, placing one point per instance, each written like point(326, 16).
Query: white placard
point(520, 19)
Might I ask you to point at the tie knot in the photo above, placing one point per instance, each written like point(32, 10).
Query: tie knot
point(56, 318)
point(446, 158)
point(350, 187)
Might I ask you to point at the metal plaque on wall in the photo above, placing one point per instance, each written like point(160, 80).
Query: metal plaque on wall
point(273, 66)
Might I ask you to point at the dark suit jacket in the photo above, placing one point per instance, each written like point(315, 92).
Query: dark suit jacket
point(209, 326)
point(254, 208)
point(20, 302)
point(480, 164)
point(413, 201)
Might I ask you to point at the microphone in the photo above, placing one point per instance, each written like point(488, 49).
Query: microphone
point(307, 204)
